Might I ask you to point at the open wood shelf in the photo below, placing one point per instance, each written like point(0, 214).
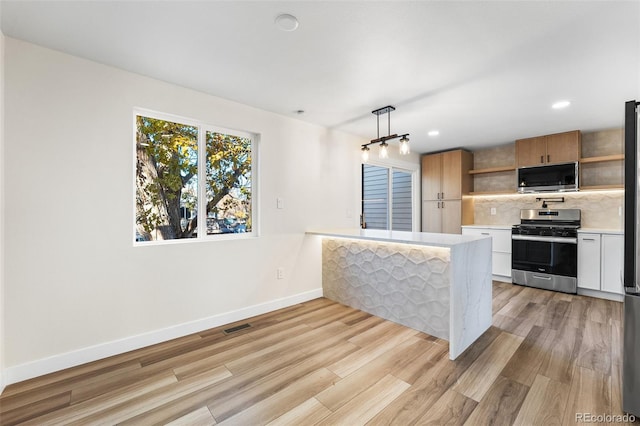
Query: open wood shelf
point(596, 187)
point(602, 159)
point(493, 193)
point(492, 170)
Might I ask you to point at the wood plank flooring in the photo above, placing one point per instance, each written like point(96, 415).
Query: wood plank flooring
point(547, 357)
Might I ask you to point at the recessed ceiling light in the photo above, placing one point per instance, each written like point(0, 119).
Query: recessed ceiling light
point(560, 104)
point(286, 22)
point(433, 133)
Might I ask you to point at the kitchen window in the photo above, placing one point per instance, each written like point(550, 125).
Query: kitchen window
point(388, 198)
point(184, 167)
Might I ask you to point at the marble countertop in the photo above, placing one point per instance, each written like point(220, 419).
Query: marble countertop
point(488, 226)
point(402, 237)
point(601, 231)
point(587, 230)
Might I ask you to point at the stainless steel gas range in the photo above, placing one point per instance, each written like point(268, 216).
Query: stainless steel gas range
point(545, 249)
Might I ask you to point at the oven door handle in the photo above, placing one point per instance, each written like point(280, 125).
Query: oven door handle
point(567, 240)
point(539, 277)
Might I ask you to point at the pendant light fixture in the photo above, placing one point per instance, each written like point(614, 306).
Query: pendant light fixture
point(384, 152)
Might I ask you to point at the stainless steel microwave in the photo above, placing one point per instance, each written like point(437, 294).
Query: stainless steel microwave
point(548, 178)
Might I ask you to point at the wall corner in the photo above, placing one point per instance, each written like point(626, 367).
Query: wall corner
point(2, 168)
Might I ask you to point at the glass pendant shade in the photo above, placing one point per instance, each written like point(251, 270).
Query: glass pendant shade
point(365, 154)
point(384, 152)
point(404, 146)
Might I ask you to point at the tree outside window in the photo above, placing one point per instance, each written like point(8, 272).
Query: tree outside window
point(169, 192)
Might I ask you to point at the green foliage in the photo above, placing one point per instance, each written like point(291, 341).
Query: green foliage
point(167, 176)
point(167, 163)
point(228, 173)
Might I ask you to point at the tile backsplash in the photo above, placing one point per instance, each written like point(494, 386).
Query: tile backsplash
point(600, 209)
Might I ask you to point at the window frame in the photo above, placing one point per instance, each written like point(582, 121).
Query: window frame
point(203, 128)
point(390, 165)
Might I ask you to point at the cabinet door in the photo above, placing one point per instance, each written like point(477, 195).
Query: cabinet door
point(612, 249)
point(588, 261)
point(563, 147)
point(501, 253)
point(431, 216)
point(531, 152)
point(431, 176)
point(452, 175)
point(451, 216)
point(501, 263)
point(501, 240)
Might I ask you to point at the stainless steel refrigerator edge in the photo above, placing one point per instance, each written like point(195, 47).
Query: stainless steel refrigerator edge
point(631, 345)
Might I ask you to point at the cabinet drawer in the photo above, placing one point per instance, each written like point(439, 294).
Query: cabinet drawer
point(501, 237)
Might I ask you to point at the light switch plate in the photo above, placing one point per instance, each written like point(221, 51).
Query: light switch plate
point(493, 211)
point(280, 203)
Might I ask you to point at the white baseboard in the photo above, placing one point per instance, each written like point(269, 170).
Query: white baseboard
point(1, 382)
point(59, 362)
point(600, 294)
point(502, 278)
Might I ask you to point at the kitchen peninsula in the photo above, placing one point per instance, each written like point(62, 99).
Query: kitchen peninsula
point(439, 284)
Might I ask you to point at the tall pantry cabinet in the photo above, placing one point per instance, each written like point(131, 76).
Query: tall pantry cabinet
point(445, 179)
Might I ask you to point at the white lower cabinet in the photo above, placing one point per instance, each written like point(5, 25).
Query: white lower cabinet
point(589, 261)
point(600, 262)
point(501, 263)
point(501, 248)
point(612, 263)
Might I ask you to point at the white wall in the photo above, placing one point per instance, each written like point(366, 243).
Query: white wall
point(2, 168)
point(74, 282)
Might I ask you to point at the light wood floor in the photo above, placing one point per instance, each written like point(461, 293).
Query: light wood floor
point(547, 357)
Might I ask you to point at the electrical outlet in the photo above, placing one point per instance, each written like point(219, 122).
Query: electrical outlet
point(493, 211)
point(280, 273)
point(620, 211)
point(280, 203)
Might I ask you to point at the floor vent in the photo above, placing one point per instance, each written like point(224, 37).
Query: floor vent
point(236, 328)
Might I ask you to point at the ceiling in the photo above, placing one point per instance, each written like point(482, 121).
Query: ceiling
point(482, 73)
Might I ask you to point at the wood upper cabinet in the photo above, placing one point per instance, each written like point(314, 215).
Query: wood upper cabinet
point(431, 177)
point(452, 174)
point(549, 149)
point(445, 178)
point(564, 147)
point(531, 151)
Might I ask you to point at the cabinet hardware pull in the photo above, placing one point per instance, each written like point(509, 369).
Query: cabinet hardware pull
point(542, 158)
point(542, 278)
point(548, 158)
point(484, 233)
point(443, 204)
point(588, 239)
